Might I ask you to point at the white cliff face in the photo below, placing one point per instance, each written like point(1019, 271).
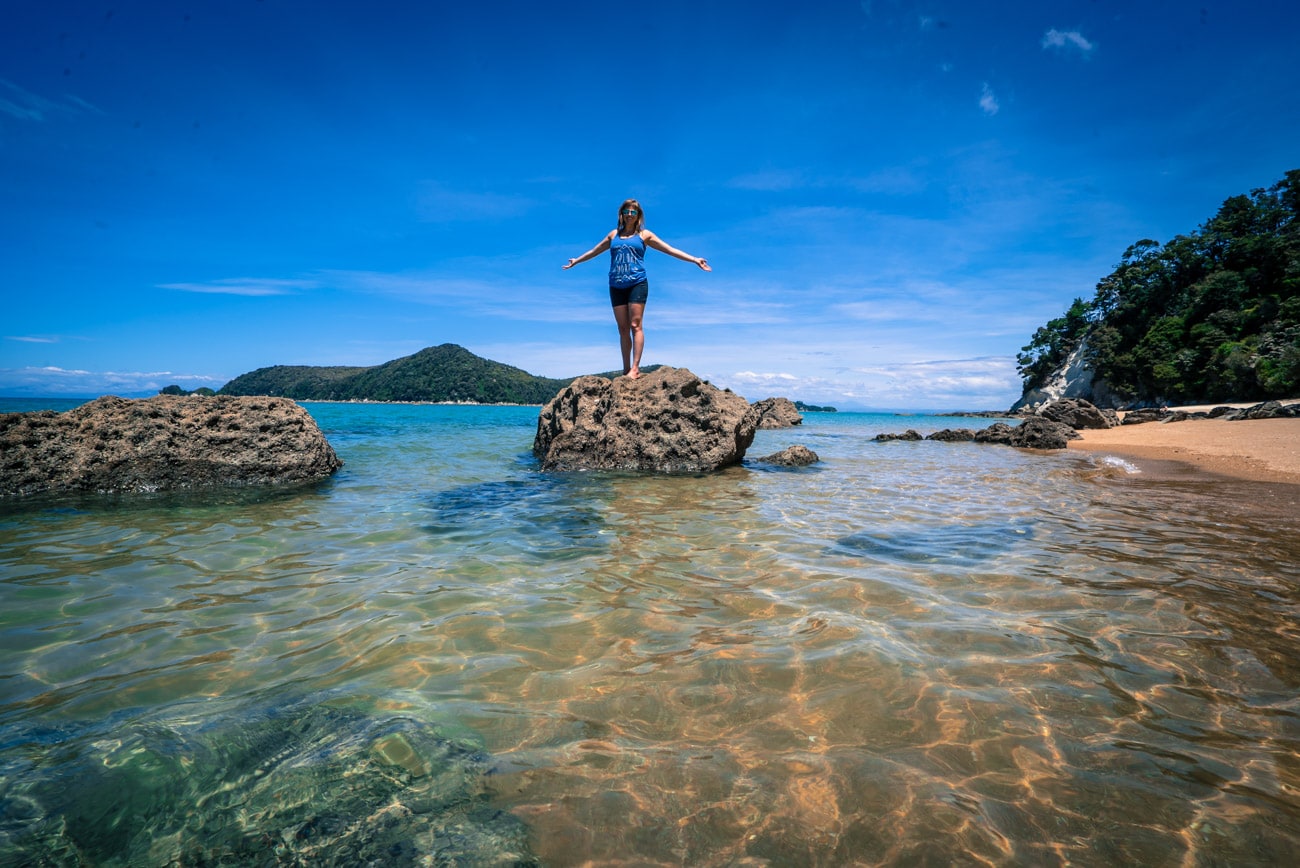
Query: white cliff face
point(1073, 379)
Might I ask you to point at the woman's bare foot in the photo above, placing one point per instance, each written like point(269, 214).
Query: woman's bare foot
point(634, 374)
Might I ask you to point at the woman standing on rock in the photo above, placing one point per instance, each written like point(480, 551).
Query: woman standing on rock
point(628, 288)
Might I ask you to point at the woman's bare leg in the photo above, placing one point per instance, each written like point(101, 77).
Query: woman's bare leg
point(635, 313)
point(623, 317)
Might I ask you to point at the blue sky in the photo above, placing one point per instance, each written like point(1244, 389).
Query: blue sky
point(893, 194)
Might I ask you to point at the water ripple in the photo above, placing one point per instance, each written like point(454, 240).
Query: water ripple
point(923, 652)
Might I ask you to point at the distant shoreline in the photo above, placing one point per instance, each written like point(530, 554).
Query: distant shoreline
point(414, 403)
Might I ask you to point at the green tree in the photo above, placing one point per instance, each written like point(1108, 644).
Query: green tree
point(1212, 315)
point(1052, 344)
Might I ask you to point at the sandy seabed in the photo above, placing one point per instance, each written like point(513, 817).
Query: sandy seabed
point(1260, 450)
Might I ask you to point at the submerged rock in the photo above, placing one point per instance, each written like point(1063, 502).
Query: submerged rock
point(297, 785)
point(666, 421)
point(164, 443)
point(777, 413)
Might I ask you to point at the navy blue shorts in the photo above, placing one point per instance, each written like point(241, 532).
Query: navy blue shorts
point(637, 293)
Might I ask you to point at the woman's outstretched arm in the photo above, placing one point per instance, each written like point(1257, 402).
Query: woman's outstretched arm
point(653, 240)
point(595, 251)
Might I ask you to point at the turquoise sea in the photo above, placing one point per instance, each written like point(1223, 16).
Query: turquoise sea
point(912, 653)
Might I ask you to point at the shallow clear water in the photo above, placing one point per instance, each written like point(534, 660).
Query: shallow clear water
point(915, 653)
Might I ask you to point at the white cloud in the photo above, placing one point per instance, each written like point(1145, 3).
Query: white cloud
point(55, 381)
point(480, 297)
point(1066, 38)
point(769, 181)
point(247, 286)
point(32, 339)
point(988, 100)
point(969, 384)
point(897, 180)
point(754, 377)
point(954, 384)
point(437, 204)
point(17, 102)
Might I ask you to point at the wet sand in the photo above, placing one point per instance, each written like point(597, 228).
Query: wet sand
point(1263, 450)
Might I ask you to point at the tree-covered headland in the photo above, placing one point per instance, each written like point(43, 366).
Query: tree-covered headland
point(443, 374)
point(1211, 316)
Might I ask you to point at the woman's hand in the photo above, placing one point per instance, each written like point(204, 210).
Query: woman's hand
point(595, 251)
point(703, 264)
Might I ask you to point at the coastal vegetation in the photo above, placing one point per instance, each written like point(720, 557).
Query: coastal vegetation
point(443, 374)
point(447, 373)
point(177, 390)
point(1209, 316)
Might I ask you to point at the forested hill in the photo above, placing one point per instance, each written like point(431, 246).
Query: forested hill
point(1212, 316)
point(436, 374)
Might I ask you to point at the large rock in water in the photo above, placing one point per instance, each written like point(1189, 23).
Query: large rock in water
point(161, 444)
point(791, 456)
point(777, 413)
point(667, 421)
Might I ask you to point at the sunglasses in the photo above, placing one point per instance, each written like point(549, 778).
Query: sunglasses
point(629, 212)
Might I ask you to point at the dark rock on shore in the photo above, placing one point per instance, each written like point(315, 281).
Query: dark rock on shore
point(985, 414)
point(165, 443)
point(1034, 433)
point(777, 413)
point(668, 421)
point(909, 434)
point(1078, 413)
point(1140, 417)
point(953, 435)
point(1265, 410)
point(1052, 428)
point(791, 456)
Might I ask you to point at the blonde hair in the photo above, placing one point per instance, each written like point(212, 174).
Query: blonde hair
point(638, 222)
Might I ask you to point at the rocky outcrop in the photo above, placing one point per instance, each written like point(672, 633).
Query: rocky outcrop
point(1074, 378)
point(909, 434)
point(163, 443)
point(953, 435)
point(777, 413)
point(791, 456)
point(1078, 413)
point(1147, 414)
point(1034, 433)
point(1265, 410)
point(667, 421)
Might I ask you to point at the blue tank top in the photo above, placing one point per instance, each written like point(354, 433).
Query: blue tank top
point(626, 261)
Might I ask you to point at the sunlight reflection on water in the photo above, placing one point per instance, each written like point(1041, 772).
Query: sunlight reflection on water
point(913, 652)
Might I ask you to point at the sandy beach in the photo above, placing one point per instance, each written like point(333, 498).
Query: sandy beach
point(1264, 450)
